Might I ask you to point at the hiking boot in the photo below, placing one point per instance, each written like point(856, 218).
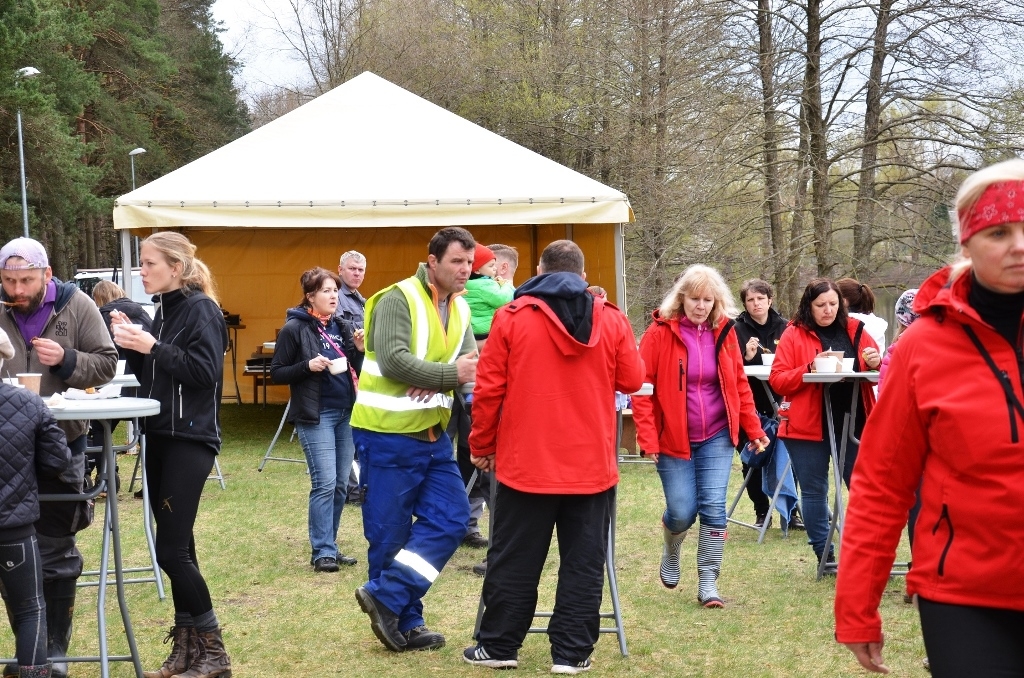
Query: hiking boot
point(347, 561)
point(478, 656)
point(670, 556)
point(211, 660)
point(422, 638)
point(565, 666)
point(383, 622)
point(182, 653)
point(796, 521)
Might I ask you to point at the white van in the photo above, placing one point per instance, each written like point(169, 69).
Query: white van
point(87, 278)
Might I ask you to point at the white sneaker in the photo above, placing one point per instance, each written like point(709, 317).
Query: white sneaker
point(565, 667)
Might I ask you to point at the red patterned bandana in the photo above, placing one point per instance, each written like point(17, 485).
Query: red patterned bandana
point(1001, 203)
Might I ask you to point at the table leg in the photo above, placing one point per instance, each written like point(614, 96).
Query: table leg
point(837, 476)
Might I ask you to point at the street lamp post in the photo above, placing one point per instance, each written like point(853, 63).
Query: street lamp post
point(131, 155)
point(23, 73)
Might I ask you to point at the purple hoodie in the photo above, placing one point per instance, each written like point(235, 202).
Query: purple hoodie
point(705, 405)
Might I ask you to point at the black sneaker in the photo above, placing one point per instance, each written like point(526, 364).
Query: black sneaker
point(478, 656)
point(481, 568)
point(475, 540)
point(383, 622)
point(325, 564)
point(759, 520)
point(565, 666)
point(422, 638)
point(796, 521)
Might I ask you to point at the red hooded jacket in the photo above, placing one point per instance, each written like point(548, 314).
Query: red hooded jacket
point(800, 413)
point(943, 423)
point(661, 418)
point(544, 403)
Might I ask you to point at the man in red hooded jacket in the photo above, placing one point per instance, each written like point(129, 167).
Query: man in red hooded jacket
point(544, 421)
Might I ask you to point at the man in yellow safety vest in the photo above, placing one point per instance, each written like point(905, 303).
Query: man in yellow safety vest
point(419, 349)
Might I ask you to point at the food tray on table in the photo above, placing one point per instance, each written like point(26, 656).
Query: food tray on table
point(108, 391)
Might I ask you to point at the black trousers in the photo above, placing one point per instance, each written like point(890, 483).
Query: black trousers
point(523, 525)
point(760, 500)
point(21, 579)
point(972, 641)
point(176, 472)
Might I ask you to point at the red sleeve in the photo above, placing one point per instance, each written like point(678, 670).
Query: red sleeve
point(629, 367)
point(789, 366)
point(885, 479)
point(491, 385)
point(645, 410)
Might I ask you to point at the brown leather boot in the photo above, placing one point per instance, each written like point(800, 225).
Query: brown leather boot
point(211, 659)
point(182, 655)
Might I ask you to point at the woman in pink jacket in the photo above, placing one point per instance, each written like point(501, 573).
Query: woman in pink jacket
point(690, 425)
point(951, 421)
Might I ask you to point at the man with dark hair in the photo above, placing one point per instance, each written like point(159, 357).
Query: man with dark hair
point(758, 329)
point(419, 348)
point(58, 332)
point(544, 422)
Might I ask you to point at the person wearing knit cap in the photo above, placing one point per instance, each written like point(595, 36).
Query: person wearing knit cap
point(949, 428)
point(484, 294)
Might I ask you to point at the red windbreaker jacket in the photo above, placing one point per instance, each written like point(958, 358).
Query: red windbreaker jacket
point(661, 418)
point(943, 422)
point(544, 404)
point(800, 413)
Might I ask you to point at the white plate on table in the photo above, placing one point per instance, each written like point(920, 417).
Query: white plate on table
point(108, 391)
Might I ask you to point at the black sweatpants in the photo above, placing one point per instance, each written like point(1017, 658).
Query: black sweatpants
point(176, 473)
point(21, 576)
point(961, 640)
point(523, 525)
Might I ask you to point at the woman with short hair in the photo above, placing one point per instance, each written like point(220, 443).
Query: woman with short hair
point(319, 355)
point(690, 425)
point(951, 421)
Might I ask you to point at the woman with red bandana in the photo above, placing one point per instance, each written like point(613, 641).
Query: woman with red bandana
point(951, 421)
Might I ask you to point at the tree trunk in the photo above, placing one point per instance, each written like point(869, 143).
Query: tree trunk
point(821, 212)
point(772, 206)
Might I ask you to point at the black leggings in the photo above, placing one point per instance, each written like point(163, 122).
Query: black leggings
point(972, 641)
point(21, 576)
point(176, 473)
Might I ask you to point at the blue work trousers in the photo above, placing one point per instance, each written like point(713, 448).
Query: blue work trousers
point(409, 479)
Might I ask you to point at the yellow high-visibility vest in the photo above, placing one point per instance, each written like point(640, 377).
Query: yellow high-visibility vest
point(381, 403)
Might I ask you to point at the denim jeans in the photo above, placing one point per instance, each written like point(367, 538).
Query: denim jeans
point(811, 465)
point(698, 484)
point(329, 450)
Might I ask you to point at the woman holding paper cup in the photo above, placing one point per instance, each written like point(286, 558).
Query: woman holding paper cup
point(180, 362)
point(820, 329)
point(319, 355)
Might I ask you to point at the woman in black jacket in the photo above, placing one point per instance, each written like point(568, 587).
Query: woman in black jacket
point(181, 364)
point(318, 355)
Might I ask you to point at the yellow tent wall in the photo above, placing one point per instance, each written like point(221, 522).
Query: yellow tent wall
point(257, 269)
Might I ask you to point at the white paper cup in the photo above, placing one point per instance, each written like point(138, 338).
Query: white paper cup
point(30, 380)
point(848, 364)
point(767, 358)
point(825, 364)
point(338, 365)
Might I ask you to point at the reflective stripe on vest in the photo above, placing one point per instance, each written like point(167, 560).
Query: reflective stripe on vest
point(381, 403)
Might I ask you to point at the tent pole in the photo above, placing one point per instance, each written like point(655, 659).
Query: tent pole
point(620, 268)
point(126, 262)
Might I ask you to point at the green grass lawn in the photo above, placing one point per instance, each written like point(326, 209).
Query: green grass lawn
point(282, 619)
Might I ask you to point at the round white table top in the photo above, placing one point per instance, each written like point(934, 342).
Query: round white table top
point(129, 380)
point(106, 408)
point(833, 377)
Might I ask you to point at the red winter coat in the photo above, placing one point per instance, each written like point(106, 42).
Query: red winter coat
point(942, 423)
point(544, 404)
point(802, 418)
point(661, 418)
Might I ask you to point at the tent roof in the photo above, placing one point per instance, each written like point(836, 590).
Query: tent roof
point(369, 153)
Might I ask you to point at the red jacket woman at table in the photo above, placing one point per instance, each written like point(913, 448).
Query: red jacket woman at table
point(690, 425)
point(820, 324)
point(951, 420)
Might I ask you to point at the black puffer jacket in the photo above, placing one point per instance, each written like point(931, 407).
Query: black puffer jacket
point(297, 344)
point(32, 449)
point(185, 367)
